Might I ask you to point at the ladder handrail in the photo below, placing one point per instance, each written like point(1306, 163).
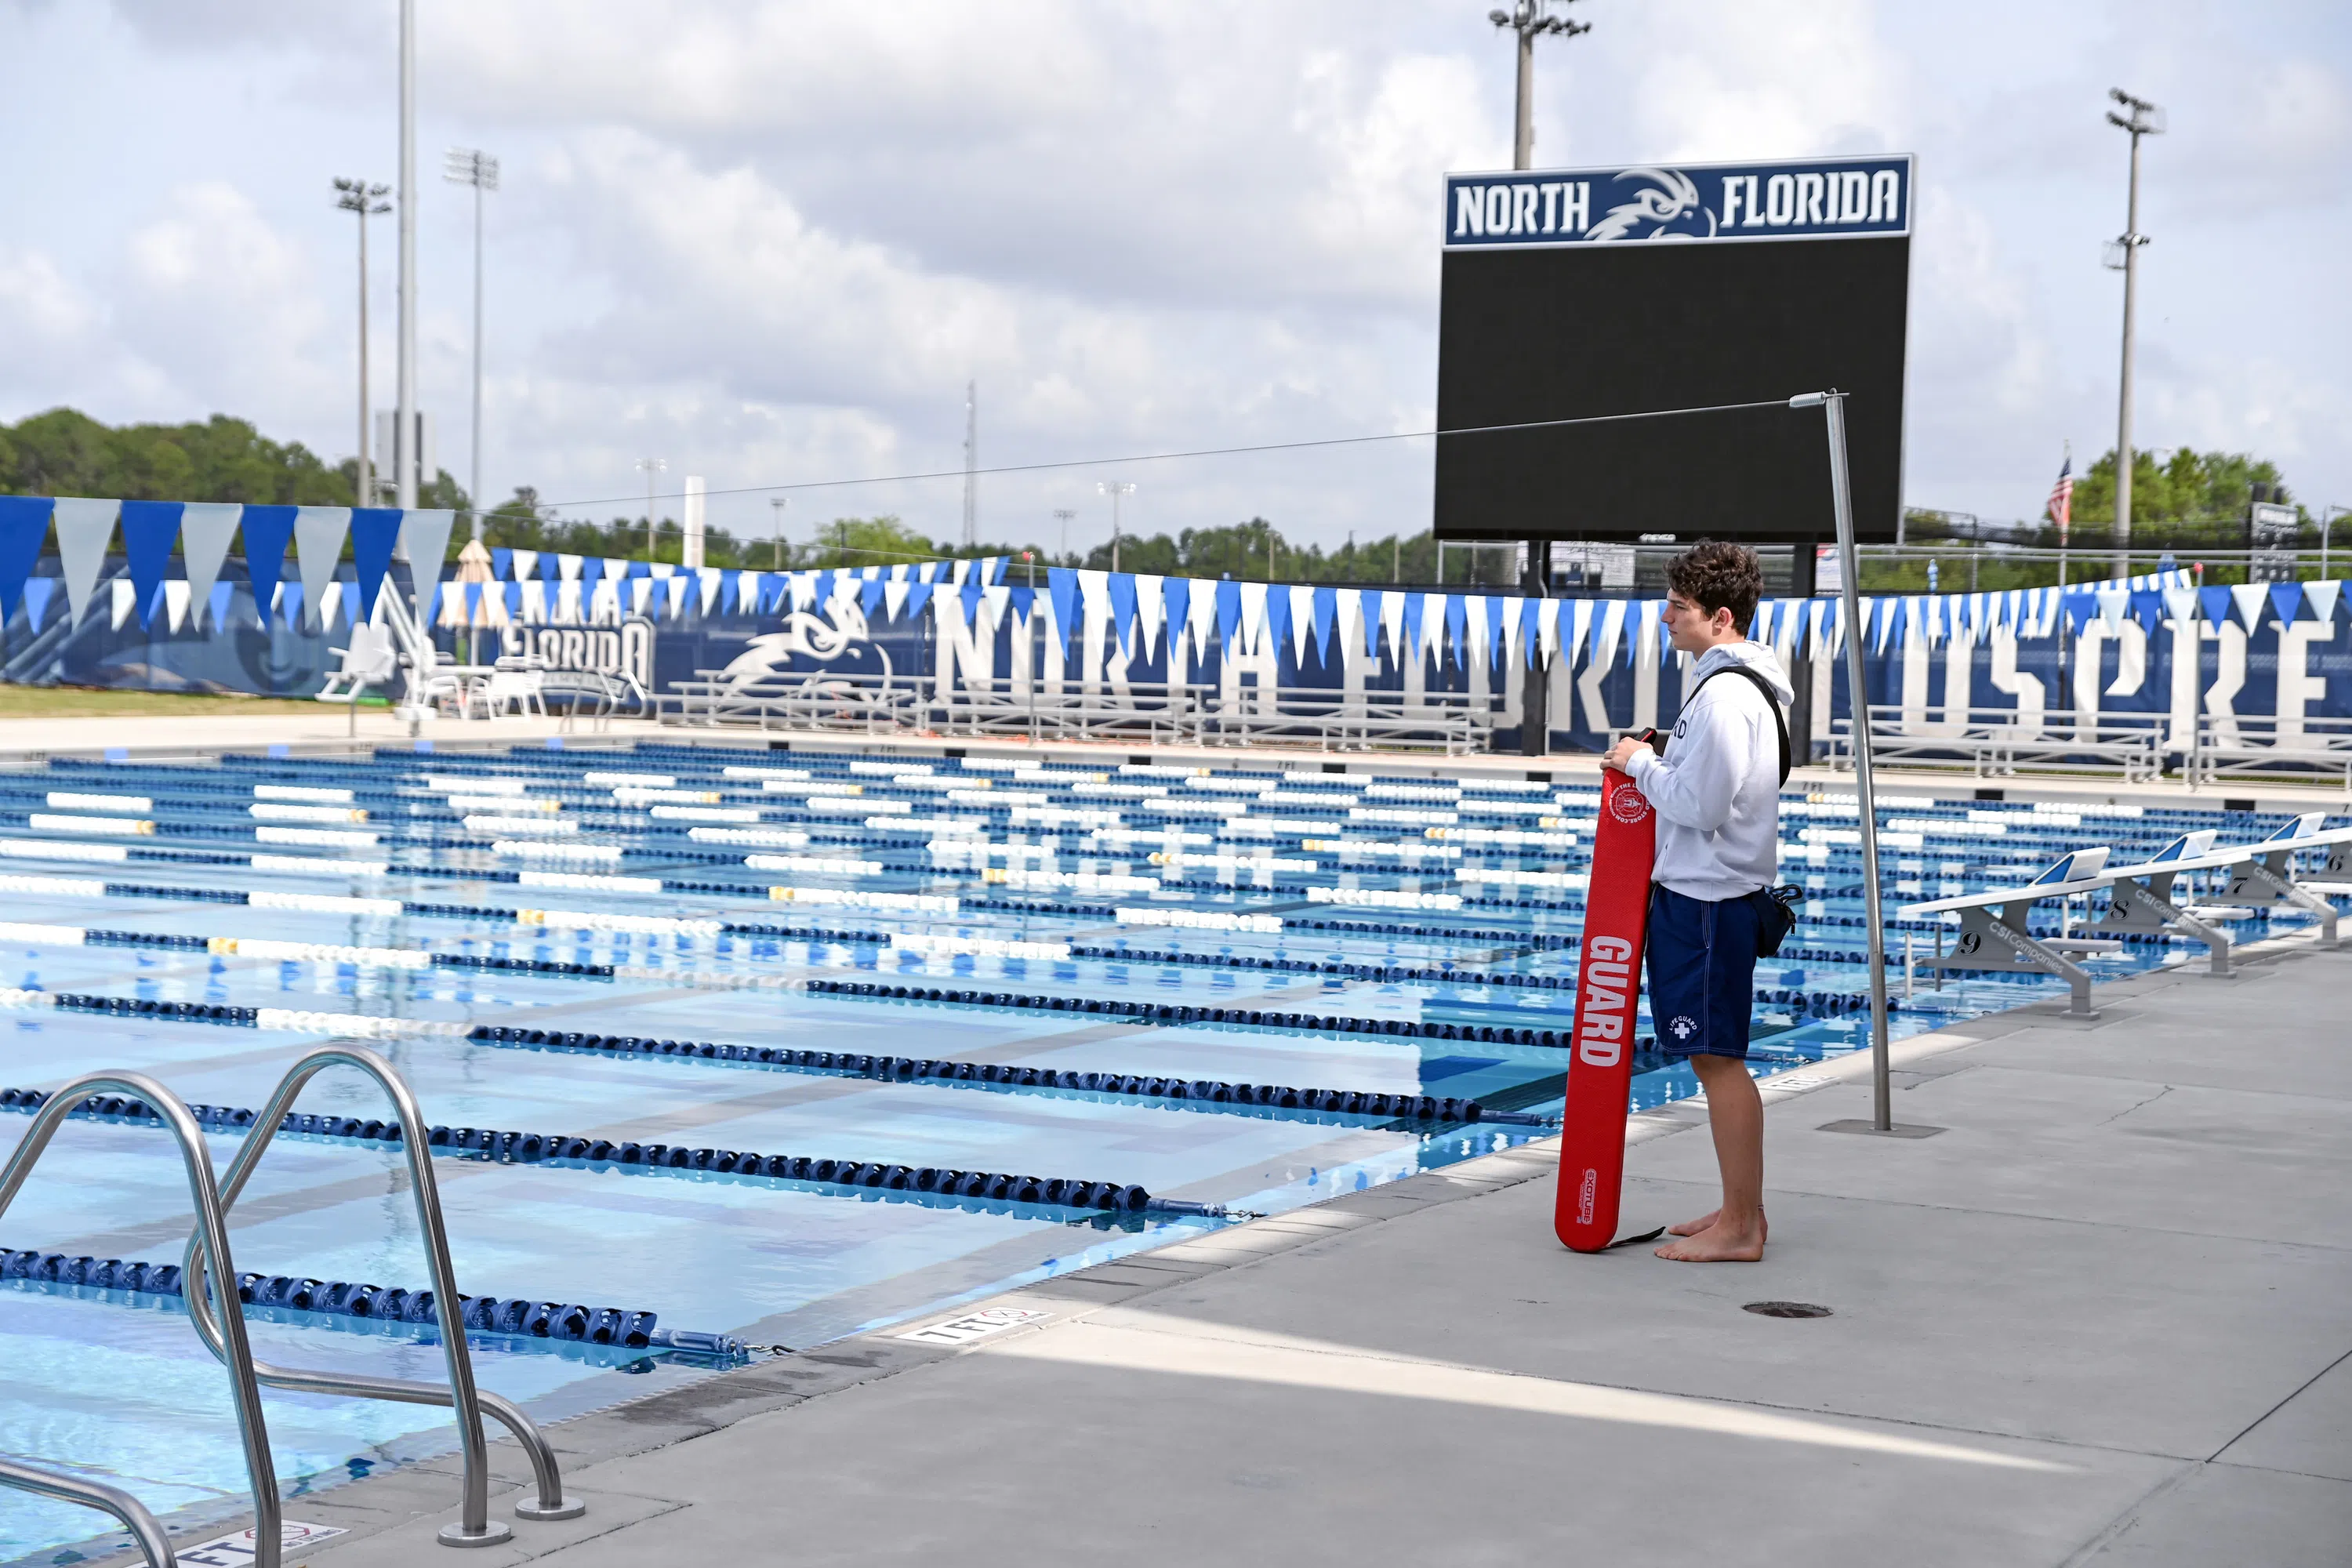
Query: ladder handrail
point(474, 1527)
point(418, 657)
point(210, 1241)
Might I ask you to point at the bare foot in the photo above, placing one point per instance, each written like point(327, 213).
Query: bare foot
point(1718, 1243)
point(1692, 1226)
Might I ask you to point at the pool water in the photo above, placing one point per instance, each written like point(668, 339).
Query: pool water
point(118, 1385)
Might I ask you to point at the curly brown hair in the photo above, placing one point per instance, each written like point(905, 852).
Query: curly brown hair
point(1716, 575)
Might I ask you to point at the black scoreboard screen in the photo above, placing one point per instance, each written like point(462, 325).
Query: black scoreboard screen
point(1573, 294)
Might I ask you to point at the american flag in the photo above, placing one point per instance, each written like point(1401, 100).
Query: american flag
point(2061, 495)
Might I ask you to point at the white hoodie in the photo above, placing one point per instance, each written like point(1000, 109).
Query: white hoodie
point(1718, 788)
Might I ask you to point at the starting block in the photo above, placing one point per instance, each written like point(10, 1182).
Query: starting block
point(1993, 936)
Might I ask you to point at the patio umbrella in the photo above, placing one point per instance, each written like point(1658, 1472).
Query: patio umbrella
point(490, 608)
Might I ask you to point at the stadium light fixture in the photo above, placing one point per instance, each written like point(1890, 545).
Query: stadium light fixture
point(1115, 489)
point(406, 459)
point(1530, 20)
point(366, 200)
point(471, 166)
point(2140, 119)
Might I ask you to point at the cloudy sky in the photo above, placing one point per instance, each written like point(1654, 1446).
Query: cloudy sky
point(770, 243)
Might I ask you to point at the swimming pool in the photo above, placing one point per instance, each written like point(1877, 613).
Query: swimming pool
point(1056, 1012)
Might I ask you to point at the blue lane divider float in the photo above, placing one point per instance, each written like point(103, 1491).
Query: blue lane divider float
point(1527, 939)
point(1825, 1002)
point(1176, 1013)
point(522, 965)
point(908, 1069)
point(515, 1315)
point(494, 1143)
point(149, 1007)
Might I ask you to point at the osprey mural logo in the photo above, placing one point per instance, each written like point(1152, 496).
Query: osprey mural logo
point(1668, 204)
point(770, 655)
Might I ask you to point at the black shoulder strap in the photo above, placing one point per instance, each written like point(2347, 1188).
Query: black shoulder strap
point(1779, 723)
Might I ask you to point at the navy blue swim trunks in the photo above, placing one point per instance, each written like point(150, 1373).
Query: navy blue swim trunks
point(1701, 961)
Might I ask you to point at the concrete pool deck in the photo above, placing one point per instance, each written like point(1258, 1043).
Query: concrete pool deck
point(2100, 1318)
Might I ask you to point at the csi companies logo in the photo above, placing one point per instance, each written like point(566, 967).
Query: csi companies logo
point(1629, 805)
point(1585, 1191)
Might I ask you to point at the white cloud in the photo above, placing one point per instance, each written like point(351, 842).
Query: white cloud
point(772, 242)
point(229, 309)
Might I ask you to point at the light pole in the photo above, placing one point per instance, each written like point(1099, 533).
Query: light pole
point(777, 505)
point(2141, 119)
point(1530, 20)
point(1063, 514)
point(365, 200)
point(1115, 489)
point(471, 166)
point(404, 436)
point(649, 467)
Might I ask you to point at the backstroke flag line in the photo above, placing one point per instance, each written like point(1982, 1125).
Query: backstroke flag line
point(1608, 996)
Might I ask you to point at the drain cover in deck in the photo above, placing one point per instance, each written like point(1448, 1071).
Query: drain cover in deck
point(1785, 1309)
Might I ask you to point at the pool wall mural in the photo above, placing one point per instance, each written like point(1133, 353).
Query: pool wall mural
point(149, 594)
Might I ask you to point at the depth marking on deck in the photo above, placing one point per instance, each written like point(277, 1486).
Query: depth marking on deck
point(236, 1551)
point(975, 1325)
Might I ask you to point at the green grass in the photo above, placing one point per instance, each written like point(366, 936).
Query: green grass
point(93, 702)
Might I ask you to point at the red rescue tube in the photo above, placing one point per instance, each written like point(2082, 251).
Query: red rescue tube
point(1607, 995)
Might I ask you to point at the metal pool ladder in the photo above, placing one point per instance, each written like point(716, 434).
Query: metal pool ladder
point(227, 1339)
point(210, 1242)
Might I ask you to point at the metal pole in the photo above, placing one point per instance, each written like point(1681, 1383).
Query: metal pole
point(2124, 398)
point(1858, 704)
point(403, 437)
point(2142, 119)
point(1535, 676)
point(363, 491)
point(475, 493)
point(1115, 489)
point(1804, 563)
point(1522, 132)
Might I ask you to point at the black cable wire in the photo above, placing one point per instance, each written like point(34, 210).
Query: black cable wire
point(1171, 457)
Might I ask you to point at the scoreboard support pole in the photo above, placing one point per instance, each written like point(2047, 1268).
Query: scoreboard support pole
point(1535, 670)
point(1802, 584)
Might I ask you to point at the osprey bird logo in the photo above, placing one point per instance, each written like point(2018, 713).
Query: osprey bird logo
point(1672, 198)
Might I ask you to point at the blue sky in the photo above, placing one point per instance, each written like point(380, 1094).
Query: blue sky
point(770, 244)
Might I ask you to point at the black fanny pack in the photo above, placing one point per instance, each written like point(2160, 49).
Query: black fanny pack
point(1776, 916)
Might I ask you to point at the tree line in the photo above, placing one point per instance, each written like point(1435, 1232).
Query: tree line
point(2183, 499)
